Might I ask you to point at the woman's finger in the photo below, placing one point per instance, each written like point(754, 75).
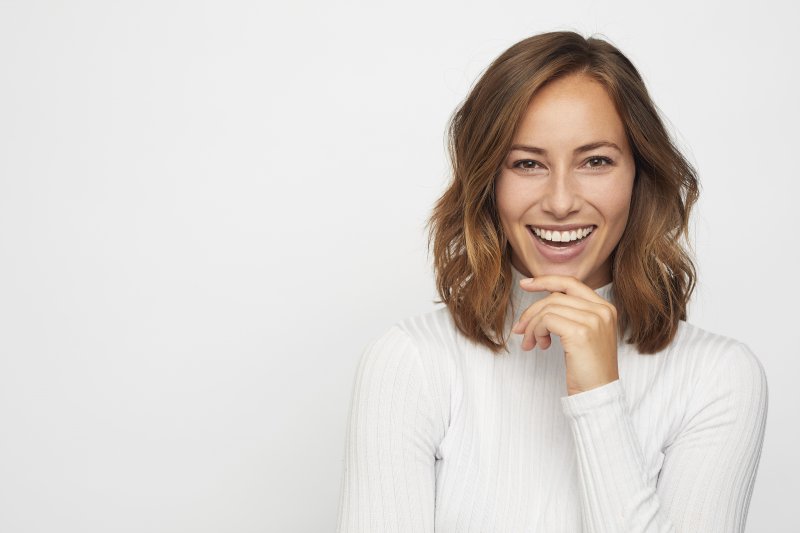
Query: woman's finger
point(558, 321)
point(561, 299)
point(538, 332)
point(569, 285)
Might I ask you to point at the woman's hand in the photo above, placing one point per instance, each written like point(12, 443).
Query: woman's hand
point(586, 324)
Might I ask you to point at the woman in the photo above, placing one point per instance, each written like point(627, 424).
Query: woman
point(561, 388)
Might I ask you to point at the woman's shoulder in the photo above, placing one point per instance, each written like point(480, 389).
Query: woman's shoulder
point(431, 328)
point(416, 349)
point(423, 336)
point(433, 338)
point(696, 339)
point(710, 353)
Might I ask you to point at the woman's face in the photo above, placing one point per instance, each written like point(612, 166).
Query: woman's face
point(558, 176)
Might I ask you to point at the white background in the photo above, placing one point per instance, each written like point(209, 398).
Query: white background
point(207, 209)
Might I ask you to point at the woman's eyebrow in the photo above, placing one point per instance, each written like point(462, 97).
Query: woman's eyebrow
point(584, 148)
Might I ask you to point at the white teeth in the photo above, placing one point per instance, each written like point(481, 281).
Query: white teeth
point(563, 236)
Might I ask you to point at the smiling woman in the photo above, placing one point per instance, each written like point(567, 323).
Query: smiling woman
point(561, 387)
point(588, 188)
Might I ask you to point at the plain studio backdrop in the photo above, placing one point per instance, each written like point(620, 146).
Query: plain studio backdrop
point(207, 209)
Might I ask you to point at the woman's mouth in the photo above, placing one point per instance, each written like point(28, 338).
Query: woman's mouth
point(562, 239)
point(561, 246)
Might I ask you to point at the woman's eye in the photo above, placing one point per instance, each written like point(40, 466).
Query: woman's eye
point(527, 164)
point(599, 160)
point(593, 162)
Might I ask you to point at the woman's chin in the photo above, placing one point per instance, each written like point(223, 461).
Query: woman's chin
point(571, 272)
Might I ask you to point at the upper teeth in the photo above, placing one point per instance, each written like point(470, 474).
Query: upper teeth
point(563, 236)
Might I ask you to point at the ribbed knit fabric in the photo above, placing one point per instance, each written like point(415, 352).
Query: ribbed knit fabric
point(445, 436)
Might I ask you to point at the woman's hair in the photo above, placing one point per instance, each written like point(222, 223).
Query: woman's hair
point(653, 274)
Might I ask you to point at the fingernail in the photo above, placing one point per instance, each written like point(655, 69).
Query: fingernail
point(527, 280)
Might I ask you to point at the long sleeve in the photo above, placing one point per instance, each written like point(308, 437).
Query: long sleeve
point(709, 467)
point(393, 430)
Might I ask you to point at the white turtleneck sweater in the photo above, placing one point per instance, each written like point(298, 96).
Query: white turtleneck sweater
point(445, 436)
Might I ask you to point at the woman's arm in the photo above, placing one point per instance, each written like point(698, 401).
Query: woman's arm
point(392, 435)
point(709, 468)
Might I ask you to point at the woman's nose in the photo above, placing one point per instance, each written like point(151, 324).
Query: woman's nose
point(561, 196)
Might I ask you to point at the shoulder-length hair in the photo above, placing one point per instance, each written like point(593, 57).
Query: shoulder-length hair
point(653, 273)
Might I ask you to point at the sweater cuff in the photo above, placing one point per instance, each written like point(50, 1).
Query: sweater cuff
point(585, 402)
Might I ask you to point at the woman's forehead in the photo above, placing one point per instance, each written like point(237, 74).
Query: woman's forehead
point(570, 113)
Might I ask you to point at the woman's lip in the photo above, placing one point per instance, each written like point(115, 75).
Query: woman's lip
point(560, 255)
point(569, 227)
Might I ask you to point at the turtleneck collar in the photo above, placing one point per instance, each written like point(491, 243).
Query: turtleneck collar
point(522, 299)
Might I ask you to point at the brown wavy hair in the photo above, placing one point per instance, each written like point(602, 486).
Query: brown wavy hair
point(653, 273)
